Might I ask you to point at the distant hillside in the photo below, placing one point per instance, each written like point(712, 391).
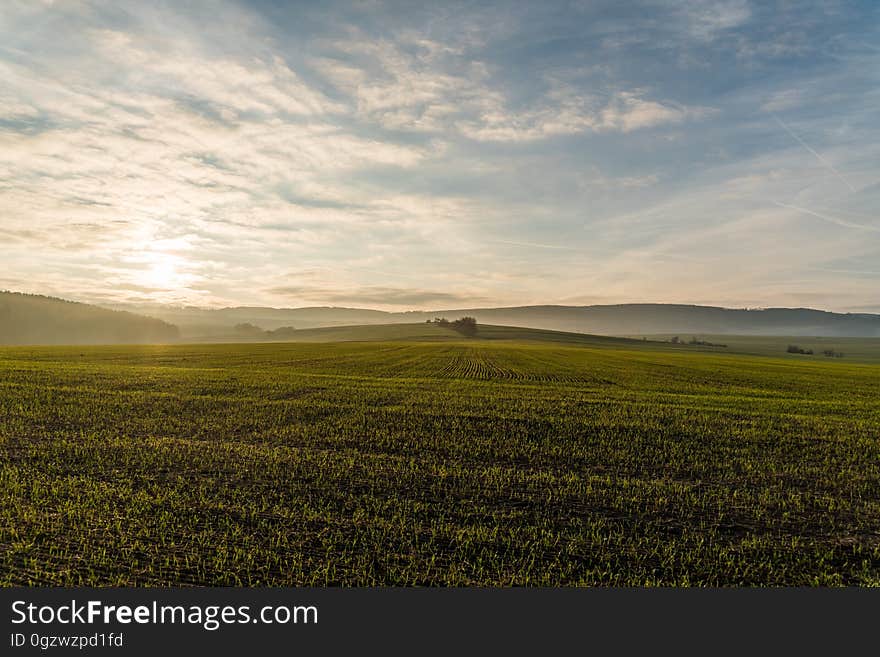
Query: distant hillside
point(432, 332)
point(646, 319)
point(624, 319)
point(32, 319)
point(206, 322)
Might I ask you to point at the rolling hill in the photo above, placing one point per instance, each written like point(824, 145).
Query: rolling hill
point(33, 319)
point(430, 332)
point(623, 319)
point(843, 348)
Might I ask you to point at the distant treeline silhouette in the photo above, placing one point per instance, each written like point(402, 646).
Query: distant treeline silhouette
point(693, 341)
point(247, 330)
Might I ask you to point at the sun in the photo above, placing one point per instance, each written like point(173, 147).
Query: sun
point(163, 271)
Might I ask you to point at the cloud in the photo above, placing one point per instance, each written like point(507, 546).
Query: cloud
point(572, 113)
point(595, 179)
point(400, 90)
point(783, 100)
point(171, 143)
point(196, 153)
point(538, 246)
point(376, 295)
point(437, 88)
point(705, 19)
point(628, 111)
point(232, 88)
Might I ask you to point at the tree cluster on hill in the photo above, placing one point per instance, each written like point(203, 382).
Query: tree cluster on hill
point(464, 325)
point(794, 349)
point(705, 343)
point(248, 330)
point(696, 343)
point(281, 332)
point(830, 353)
point(35, 319)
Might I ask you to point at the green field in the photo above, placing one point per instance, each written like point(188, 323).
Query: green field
point(853, 350)
point(521, 458)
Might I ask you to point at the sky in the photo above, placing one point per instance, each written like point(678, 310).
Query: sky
point(394, 155)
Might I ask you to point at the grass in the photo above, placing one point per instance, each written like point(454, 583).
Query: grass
point(426, 460)
point(425, 332)
point(854, 350)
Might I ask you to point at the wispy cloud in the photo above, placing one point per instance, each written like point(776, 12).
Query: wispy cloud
point(535, 245)
point(374, 295)
point(426, 86)
point(417, 156)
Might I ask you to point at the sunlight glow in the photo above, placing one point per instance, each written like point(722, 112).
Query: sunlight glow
point(163, 272)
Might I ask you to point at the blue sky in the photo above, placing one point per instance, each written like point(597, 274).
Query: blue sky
point(381, 154)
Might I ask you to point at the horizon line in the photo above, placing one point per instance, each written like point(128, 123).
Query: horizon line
point(157, 304)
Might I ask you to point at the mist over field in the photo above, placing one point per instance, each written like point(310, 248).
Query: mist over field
point(28, 319)
point(624, 319)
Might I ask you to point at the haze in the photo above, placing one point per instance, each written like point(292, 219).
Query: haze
point(378, 155)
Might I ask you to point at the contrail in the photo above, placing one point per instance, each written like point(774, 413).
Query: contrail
point(833, 220)
point(818, 157)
